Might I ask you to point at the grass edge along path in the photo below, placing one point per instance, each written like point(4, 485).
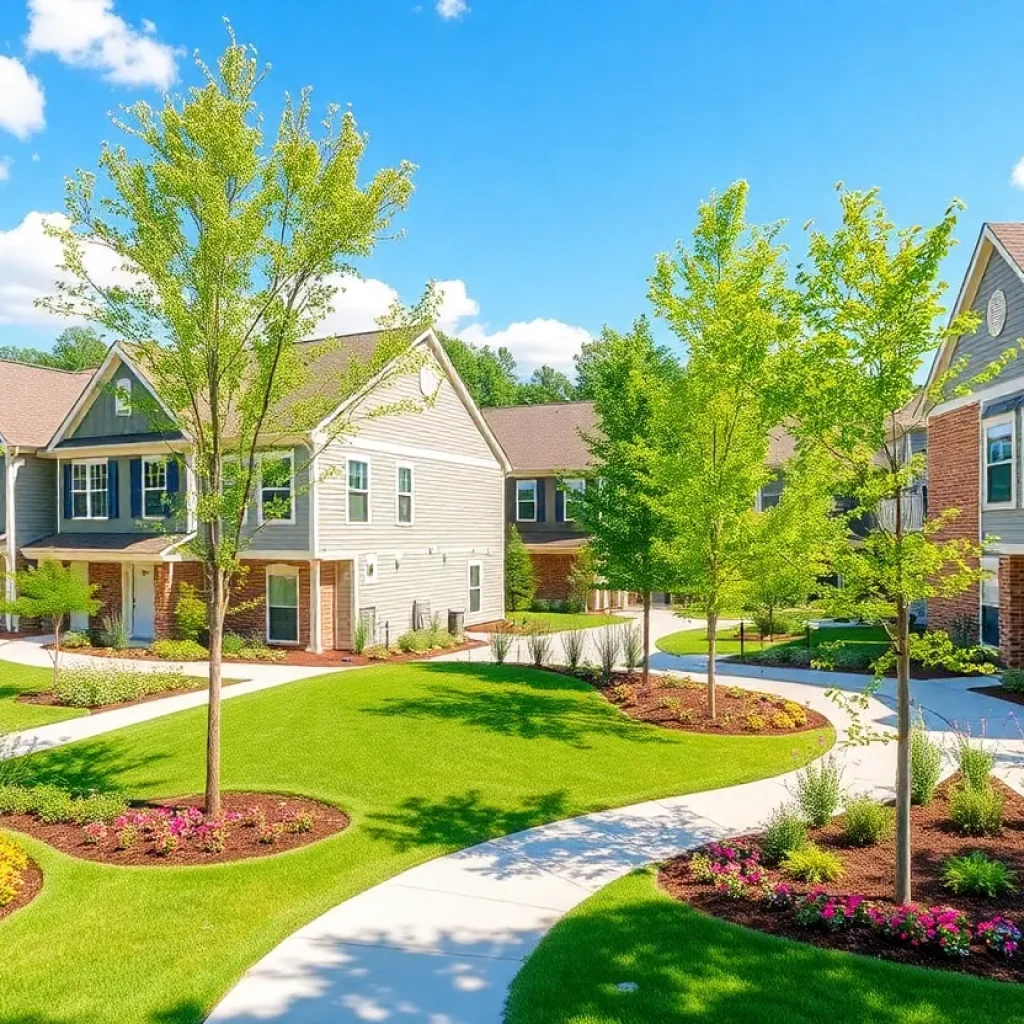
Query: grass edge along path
point(419, 756)
point(697, 969)
point(18, 679)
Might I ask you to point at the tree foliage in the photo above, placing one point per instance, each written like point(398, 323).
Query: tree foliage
point(520, 581)
point(76, 348)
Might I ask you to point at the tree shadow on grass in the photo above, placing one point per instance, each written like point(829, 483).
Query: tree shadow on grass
point(92, 765)
point(462, 820)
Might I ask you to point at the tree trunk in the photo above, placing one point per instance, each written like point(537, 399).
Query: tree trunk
point(903, 880)
point(56, 653)
point(215, 621)
point(712, 648)
point(647, 640)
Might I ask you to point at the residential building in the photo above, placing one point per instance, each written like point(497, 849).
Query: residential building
point(392, 523)
point(974, 444)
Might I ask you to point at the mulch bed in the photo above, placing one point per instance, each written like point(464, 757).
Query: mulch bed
point(47, 699)
point(869, 872)
point(733, 705)
point(32, 883)
point(242, 841)
point(1001, 692)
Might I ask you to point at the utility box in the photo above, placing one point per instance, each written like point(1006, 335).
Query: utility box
point(456, 622)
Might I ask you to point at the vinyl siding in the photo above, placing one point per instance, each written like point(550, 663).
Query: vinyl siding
point(101, 420)
point(3, 493)
point(35, 490)
point(279, 536)
point(459, 514)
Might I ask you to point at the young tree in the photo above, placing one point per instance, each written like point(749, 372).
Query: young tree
point(727, 301)
point(520, 584)
point(871, 296)
point(622, 507)
point(230, 245)
point(50, 592)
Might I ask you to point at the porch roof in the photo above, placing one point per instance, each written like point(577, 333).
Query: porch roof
point(113, 547)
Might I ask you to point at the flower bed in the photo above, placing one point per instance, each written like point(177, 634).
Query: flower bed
point(20, 879)
point(972, 934)
point(174, 831)
point(679, 702)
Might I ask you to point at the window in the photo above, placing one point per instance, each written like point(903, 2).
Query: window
point(89, 490)
point(990, 603)
point(771, 493)
point(370, 568)
point(123, 397)
point(277, 474)
point(1000, 473)
point(404, 489)
point(526, 501)
point(283, 605)
point(154, 488)
point(573, 490)
point(476, 586)
point(358, 491)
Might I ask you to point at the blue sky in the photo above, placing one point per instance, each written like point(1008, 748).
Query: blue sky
point(561, 143)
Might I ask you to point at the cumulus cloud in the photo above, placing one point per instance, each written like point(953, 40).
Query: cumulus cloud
point(449, 9)
point(1017, 177)
point(456, 305)
point(29, 259)
point(88, 34)
point(358, 304)
point(21, 99)
point(538, 342)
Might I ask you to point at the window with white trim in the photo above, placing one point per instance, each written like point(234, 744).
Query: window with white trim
point(358, 491)
point(277, 487)
point(476, 586)
point(404, 509)
point(123, 397)
point(999, 458)
point(283, 605)
point(990, 602)
point(573, 491)
point(154, 488)
point(89, 489)
point(526, 501)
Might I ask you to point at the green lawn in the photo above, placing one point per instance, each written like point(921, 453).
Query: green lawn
point(427, 758)
point(18, 679)
point(695, 641)
point(557, 621)
point(691, 969)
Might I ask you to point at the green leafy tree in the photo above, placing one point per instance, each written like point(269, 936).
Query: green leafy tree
point(490, 376)
point(582, 578)
point(49, 592)
point(589, 356)
point(622, 508)
point(727, 300)
point(235, 240)
point(520, 581)
point(76, 348)
point(872, 300)
point(546, 384)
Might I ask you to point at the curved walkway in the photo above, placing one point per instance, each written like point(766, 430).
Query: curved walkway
point(441, 943)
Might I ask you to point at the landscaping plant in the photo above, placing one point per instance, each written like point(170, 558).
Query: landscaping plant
point(500, 642)
point(179, 650)
point(974, 762)
point(819, 790)
point(574, 642)
point(1000, 935)
point(96, 687)
point(976, 812)
point(189, 613)
point(13, 862)
point(520, 580)
point(608, 643)
point(784, 832)
point(1013, 680)
point(115, 633)
point(810, 863)
point(866, 822)
point(977, 874)
point(632, 649)
point(361, 635)
point(925, 763)
point(538, 643)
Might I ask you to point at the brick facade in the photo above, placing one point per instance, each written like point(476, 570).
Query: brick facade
point(251, 597)
point(1011, 610)
point(169, 577)
point(106, 576)
point(551, 572)
point(954, 482)
point(327, 574)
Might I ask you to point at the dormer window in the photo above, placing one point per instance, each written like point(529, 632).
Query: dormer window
point(123, 397)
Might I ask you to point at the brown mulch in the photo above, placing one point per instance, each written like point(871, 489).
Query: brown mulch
point(1001, 692)
point(869, 872)
point(242, 842)
point(732, 709)
point(31, 884)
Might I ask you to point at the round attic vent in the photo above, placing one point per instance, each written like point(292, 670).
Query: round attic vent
point(995, 315)
point(429, 382)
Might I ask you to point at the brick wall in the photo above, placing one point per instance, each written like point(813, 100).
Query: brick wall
point(106, 576)
point(1011, 610)
point(251, 598)
point(327, 605)
point(953, 482)
point(551, 572)
point(166, 589)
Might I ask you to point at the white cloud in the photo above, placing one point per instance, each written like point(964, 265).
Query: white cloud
point(358, 305)
point(455, 305)
point(88, 34)
point(28, 269)
point(21, 99)
point(538, 342)
point(449, 9)
point(5, 167)
point(1017, 177)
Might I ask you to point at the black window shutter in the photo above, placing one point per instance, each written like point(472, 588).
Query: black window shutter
point(541, 513)
point(173, 480)
point(68, 508)
point(113, 512)
point(135, 471)
point(559, 506)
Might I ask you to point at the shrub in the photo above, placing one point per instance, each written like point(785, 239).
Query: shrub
point(944, 928)
point(362, 634)
point(975, 764)
point(91, 687)
point(977, 874)
point(608, 642)
point(179, 650)
point(127, 837)
point(774, 656)
point(780, 720)
point(976, 812)
point(500, 642)
point(539, 604)
point(573, 643)
point(799, 657)
point(256, 650)
point(796, 712)
point(867, 822)
point(837, 654)
point(189, 613)
point(520, 582)
point(232, 644)
point(415, 641)
point(925, 763)
point(378, 652)
point(963, 631)
point(115, 632)
point(13, 862)
point(1012, 680)
point(810, 863)
point(754, 723)
point(300, 822)
point(539, 646)
point(95, 833)
point(632, 646)
point(15, 799)
point(73, 639)
point(784, 832)
point(833, 913)
point(818, 790)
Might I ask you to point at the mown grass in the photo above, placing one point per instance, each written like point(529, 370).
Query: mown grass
point(16, 680)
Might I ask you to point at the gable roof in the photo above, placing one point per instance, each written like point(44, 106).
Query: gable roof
point(543, 438)
point(35, 401)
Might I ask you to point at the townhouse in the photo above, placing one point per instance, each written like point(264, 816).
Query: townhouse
point(391, 524)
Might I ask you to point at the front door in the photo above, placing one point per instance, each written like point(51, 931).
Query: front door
point(80, 620)
point(142, 601)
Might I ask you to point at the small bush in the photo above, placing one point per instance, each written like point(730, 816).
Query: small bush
point(189, 613)
point(573, 643)
point(774, 656)
point(977, 874)
point(800, 657)
point(784, 832)
point(95, 687)
point(608, 642)
point(754, 723)
point(810, 863)
point(976, 812)
point(837, 654)
point(925, 763)
point(415, 641)
point(780, 720)
point(539, 646)
point(15, 799)
point(55, 805)
point(632, 646)
point(500, 642)
point(115, 632)
point(540, 604)
point(256, 650)
point(795, 711)
point(378, 652)
point(867, 822)
point(818, 790)
point(362, 635)
point(13, 862)
point(975, 764)
point(1012, 680)
point(179, 650)
point(72, 639)
point(232, 644)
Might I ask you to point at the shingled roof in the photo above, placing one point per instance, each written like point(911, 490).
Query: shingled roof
point(34, 401)
point(1011, 237)
point(543, 438)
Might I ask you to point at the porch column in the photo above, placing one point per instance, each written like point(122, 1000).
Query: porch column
point(1011, 610)
point(315, 631)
